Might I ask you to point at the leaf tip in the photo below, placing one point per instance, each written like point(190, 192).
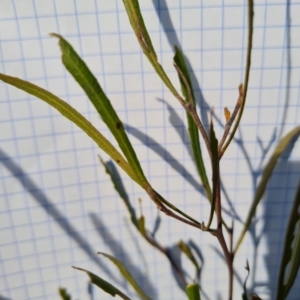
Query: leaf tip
point(53, 34)
point(227, 114)
point(101, 160)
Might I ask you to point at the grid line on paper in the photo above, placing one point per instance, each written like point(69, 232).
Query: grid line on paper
point(78, 184)
point(17, 151)
point(169, 8)
point(52, 127)
point(56, 151)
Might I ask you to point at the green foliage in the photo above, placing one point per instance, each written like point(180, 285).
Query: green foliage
point(79, 70)
point(136, 20)
point(291, 253)
point(187, 91)
point(192, 291)
point(121, 191)
point(215, 171)
point(74, 116)
point(63, 293)
point(126, 274)
point(131, 165)
point(281, 147)
point(103, 284)
point(186, 249)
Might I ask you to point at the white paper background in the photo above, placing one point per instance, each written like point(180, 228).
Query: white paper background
point(57, 205)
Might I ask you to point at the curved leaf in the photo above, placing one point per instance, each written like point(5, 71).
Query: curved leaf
point(186, 249)
point(104, 285)
point(138, 25)
point(127, 275)
point(193, 291)
point(247, 73)
point(283, 144)
point(73, 115)
point(291, 252)
point(141, 226)
point(215, 171)
point(169, 204)
point(119, 187)
point(79, 70)
point(192, 127)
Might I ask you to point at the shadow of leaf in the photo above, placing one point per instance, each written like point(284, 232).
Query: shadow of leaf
point(165, 155)
point(4, 298)
point(165, 20)
point(162, 11)
point(120, 253)
point(179, 126)
point(45, 203)
point(156, 225)
point(277, 207)
point(176, 255)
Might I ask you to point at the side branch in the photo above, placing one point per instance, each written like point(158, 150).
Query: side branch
point(190, 108)
point(231, 120)
point(247, 73)
point(220, 236)
point(153, 195)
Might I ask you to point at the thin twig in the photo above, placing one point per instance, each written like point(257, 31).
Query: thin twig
point(152, 241)
point(220, 236)
point(167, 253)
point(229, 263)
point(152, 194)
point(232, 118)
point(231, 238)
point(247, 74)
point(190, 108)
point(218, 204)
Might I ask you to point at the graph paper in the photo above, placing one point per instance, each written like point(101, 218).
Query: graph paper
point(58, 207)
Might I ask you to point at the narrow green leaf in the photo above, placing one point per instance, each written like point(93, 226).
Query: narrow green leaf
point(104, 285)
point(167, 203)
point(186, 249)
point(283, 144)
point(119, 187)
point(126, 275)
point(138, 25)
point(63, 293)
point(290, 261)
point(73, 115)
point(121, 191)
point(79, 70)
point(141, 226)
point(193, 291)
point(192, 127)
point(247, 73)
point(215, 171)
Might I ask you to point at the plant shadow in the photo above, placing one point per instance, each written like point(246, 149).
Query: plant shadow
point(57, 216)
point(279, 194)
point(278, 202)
point(120, 253)
point(165, 155)
point(4, 298)
point(162, 11)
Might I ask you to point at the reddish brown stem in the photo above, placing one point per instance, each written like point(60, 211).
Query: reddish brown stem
point(227, 253)
point(232, 118)
point(190, 109)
